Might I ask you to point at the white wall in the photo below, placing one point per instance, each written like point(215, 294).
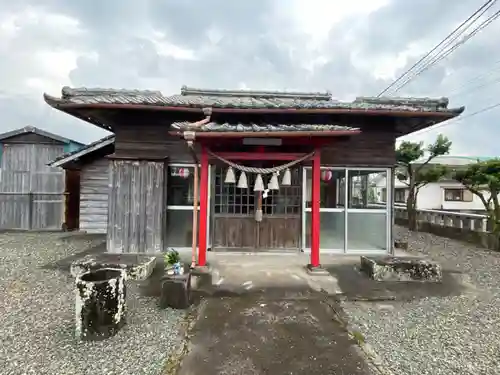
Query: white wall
point(431, 196)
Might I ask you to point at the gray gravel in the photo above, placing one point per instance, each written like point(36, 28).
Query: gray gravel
point(452, 335)
point(37, 317)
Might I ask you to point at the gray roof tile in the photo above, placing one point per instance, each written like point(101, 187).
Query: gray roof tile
point(245, 99)
point(240, 127)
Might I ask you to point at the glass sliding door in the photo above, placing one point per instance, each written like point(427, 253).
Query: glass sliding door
point(180, 187)
point(367, 214)
point(332, 210)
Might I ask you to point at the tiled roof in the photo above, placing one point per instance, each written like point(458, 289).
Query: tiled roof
point(240, 127)
point(244, 99)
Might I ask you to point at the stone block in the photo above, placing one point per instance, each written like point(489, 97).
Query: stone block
point(316, 271)
point(100, 303)
point(392, 268)
point(176, 291)
point(401, 245)
point(137, 266)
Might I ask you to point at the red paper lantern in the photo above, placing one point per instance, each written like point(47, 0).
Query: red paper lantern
point(326, 175)
point(184, 172)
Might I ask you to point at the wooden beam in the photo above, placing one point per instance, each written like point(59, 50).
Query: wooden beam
point(202, 232)
point(260, 155)
point(315, 209)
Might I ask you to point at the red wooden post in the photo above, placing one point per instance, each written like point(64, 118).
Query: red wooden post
point(202, 231)
point(315, 215)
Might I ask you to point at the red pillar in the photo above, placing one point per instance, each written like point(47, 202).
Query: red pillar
point(202, 231)
point(315, 215)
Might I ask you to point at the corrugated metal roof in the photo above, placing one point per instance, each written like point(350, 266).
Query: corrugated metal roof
point(92, 147)
point(43, 133)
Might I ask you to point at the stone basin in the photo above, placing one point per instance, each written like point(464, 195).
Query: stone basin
point(394, 268)
point(138, 266)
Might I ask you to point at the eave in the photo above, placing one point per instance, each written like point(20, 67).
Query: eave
point(71, 107)
point(279, 134)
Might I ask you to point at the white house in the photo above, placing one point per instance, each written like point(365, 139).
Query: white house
point(447, 195)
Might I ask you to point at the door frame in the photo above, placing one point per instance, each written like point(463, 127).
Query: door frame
point(346, 210)
point(257, 248)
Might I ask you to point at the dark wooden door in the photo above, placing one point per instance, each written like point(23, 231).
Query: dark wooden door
point(233, 216)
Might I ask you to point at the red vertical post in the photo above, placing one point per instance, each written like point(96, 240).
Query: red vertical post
point(315, 215)
point(202, 231)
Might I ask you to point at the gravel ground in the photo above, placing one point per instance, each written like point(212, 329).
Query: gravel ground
point(452, 335)
point(37, 317)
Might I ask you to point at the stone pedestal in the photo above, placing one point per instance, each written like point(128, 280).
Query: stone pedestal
point(392, 268)
point(137, 266)
point(176, 291)
point(100, 303)
point(316, 271)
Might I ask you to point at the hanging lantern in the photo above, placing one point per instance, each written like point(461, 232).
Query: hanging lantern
point(273, 182)
point(259, 184)
point(326, 175)
point(230, 177)
point(242, 181)
point(287, 178)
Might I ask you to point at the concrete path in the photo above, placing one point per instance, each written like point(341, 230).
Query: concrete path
point(266, 316)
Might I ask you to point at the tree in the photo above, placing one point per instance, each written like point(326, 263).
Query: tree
point(415, 176)
point(483, 180)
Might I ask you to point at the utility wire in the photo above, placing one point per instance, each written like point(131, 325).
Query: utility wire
point(486, 5)
point(476, 78)
point(441, 57)
point(456, 119)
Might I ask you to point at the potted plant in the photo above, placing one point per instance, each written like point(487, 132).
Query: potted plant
point(173, 263)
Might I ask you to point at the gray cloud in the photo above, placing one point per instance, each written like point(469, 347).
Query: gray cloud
point(163, 44)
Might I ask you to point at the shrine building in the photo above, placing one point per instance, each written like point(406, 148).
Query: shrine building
point(266, 171)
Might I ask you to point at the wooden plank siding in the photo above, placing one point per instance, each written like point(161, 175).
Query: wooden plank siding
point(137, 209)
point(371, 148)
point(31, 193)
point(94, 191)
point(150, 142)
point(375, 146)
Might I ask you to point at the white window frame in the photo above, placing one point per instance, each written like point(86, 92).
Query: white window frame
point(346, 210)
point(190, 208)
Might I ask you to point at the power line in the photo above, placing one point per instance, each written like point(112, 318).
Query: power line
point(480, 76)
point(457, 119)
point(486, 5)
point(441, 57)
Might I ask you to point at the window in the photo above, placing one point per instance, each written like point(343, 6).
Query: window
point(457, 195)
point(400, 195)
point(180, 182)
point(383, 195)
point(180, 188)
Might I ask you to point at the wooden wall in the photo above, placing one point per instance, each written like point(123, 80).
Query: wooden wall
point(151, 142)
point(137, 206)
point(371, 148)
point(94, 191)
point(375, 146)
point(31, 193)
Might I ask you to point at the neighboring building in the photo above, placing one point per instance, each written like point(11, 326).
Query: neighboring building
point(327, 153)
point(93, 183)
point(31, 193)
point(448, 194)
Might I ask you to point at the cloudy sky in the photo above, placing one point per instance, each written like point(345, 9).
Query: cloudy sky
point(350, 47)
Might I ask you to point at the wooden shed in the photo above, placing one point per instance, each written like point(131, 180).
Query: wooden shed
point(93, 169)
point(32, 194)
